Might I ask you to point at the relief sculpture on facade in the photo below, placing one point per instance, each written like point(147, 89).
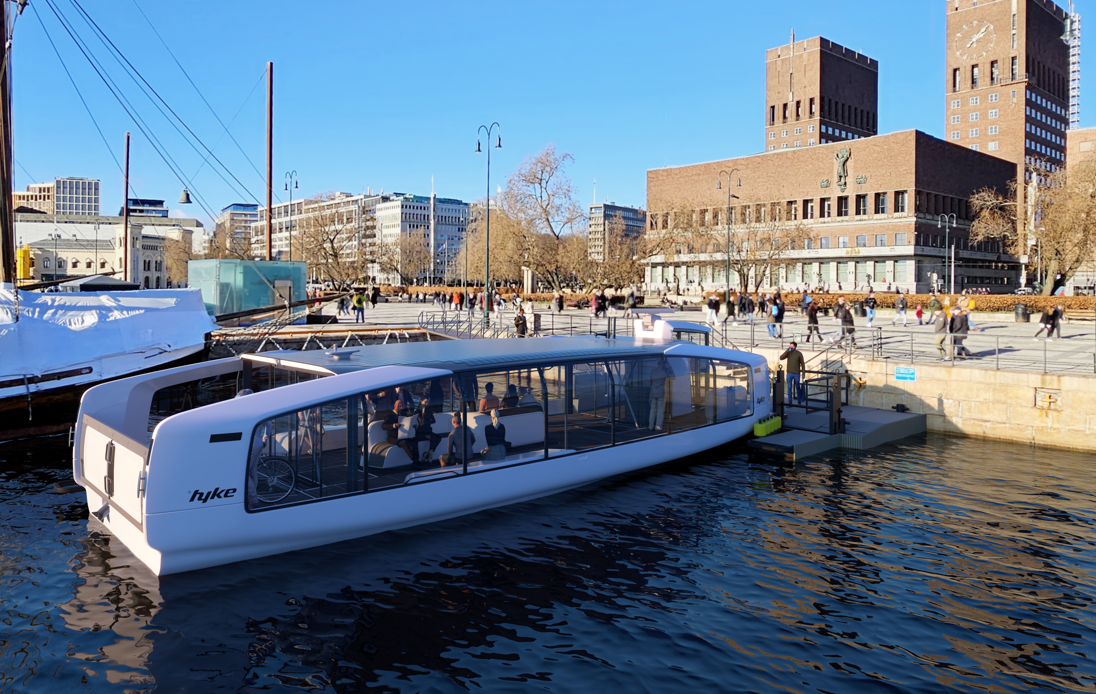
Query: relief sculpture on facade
point(842, 157)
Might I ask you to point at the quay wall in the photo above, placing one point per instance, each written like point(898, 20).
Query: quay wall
point(1042, 409)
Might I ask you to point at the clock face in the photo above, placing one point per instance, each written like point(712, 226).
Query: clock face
point(974, 40)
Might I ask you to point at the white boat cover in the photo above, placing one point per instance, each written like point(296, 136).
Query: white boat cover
point(62, 330)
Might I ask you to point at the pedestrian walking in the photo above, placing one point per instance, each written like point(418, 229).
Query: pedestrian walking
point(812, 322)
point(958, 327)
point(374, 296)
point(940, 328)
point(805, 302)
point(712, 305)
point(920, 313)
point(730, 312)
point(935, 305)
point(843, 315)
point(780, 306)
point(1046, 323)
point(870, 303)
point(796, 365)
point(770, 320)
point(900, 305)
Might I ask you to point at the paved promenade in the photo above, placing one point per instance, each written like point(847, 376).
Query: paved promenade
point(999, 342)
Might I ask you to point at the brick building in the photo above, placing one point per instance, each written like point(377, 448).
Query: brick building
point(1007, 79)
point(817, 92)
point(872, 220)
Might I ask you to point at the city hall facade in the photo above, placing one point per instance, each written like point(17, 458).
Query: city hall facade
point(868, 206)
point(869, 212)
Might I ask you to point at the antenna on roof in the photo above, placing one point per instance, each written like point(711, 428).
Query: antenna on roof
point(431, 184)
point(791, 70)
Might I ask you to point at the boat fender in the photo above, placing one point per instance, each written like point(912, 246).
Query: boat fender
point(67, 488)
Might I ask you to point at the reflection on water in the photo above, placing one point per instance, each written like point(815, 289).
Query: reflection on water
point(933, 564)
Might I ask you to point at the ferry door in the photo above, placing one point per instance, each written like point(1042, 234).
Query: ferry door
point(114, 467)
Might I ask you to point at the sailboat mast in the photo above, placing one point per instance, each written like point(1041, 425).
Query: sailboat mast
point(7, 213)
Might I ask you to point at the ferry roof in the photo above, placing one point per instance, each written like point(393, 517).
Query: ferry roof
point(463, 355)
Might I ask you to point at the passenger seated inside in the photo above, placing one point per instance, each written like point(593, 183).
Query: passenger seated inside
point(527, 397)
point(461, 439)
point(424, 431)
point(511, 398)
point(495, 433)
point(391, 428)
point(489, 401)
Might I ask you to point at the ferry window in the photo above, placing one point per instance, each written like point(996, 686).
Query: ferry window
point(579, 418)
point(267, 376)
point(731, 396)
point(309, 454)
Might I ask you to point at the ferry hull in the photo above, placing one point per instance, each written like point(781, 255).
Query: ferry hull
point(180, 541)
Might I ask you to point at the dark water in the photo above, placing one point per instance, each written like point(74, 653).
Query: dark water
point(931, 565)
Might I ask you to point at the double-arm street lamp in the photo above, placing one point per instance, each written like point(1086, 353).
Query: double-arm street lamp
point(736, 183)
point(947, 220)
point(291, 178)
point(487, 227)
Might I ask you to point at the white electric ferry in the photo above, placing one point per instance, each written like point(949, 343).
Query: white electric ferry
point(228, 460)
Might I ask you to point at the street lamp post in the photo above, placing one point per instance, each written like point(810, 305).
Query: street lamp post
point(949, 274)
point(291, 177)
point(727, 222)
point(487, 227)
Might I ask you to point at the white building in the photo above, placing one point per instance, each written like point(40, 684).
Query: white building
point(235, 221)
point(633, 222)
point(373, 225)
point(440, 222)
point(61, 257)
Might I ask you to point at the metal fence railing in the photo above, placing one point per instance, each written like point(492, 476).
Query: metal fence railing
point(980, 349)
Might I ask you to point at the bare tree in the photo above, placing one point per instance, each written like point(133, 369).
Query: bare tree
point(540, 201)
point(406, 259)
point(325, 237)
point(1059, 222)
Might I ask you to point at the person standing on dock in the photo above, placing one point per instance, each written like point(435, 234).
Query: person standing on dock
point(796, 365)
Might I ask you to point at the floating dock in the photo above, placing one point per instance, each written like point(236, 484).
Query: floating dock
point(806, 434)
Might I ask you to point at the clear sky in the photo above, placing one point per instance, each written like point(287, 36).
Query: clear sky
point(387, 95)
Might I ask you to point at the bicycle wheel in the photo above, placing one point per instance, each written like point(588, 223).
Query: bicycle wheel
point(275, 479)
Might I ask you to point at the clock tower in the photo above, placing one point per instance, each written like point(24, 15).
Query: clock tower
point(1007, 79)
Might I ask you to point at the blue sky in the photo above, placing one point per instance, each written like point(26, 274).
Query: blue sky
point(386, 95)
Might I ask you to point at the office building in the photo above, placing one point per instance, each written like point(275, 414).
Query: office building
point(38, 197)
point(145, 207)
point(76, 197)
point(609, 221)
point(234, 224)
